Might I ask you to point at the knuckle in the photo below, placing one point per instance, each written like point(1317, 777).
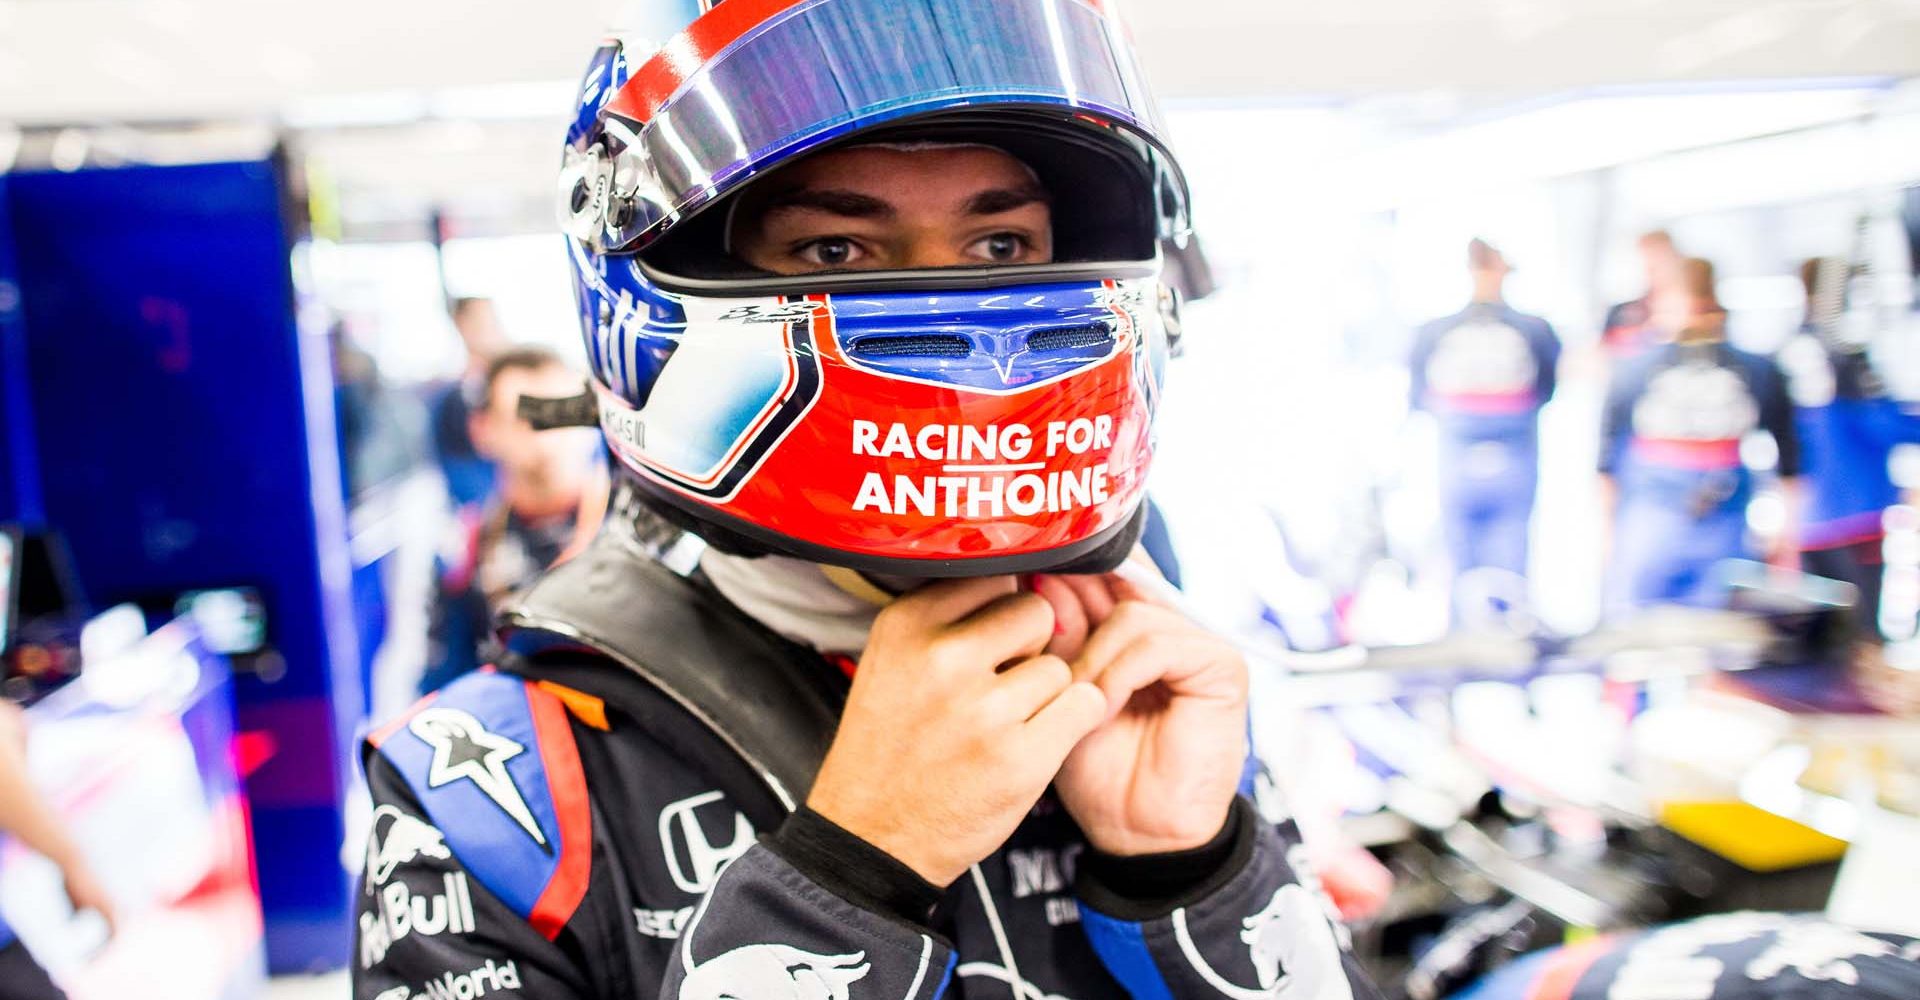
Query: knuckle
point(1135, 613)
point(1056, 672)
point(950, 650)
point(1161, 645)
point(1031, 611)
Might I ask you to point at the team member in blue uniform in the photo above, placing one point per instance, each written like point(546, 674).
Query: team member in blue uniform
point(25, 816)
point(872, 301)
point(1848, 429)
point(1629, 327)
point(1484, 373)
point(1670, 455)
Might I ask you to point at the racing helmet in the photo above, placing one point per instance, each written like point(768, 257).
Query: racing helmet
point(926, 423)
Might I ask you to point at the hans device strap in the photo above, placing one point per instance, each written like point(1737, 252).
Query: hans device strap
point(547, 414)
point(772, 702)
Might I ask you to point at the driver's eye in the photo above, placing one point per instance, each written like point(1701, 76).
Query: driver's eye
point(831, 251)
point(1000, 247)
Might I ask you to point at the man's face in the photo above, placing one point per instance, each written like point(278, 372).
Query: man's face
point(1662, 263)
point(872, 208)
point(478, 324)
point(501, 434)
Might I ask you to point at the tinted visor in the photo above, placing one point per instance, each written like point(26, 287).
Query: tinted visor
point(822, 70)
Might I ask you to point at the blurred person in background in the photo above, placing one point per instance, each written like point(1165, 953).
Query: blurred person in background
point(549, 498)
point(381, 433)
point(1483, 373)
point(26, 817)
point(1630, 327)
point(469, 475)
point(1674, 484)
point(1848, 427)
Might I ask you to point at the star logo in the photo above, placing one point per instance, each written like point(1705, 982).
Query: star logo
point(463, 749)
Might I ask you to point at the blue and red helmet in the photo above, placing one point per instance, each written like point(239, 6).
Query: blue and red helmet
point(949, 422)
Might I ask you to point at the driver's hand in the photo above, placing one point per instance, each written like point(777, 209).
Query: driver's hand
point(956, 723)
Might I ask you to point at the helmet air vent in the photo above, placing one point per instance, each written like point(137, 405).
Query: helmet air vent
point(1071, 337)
point(920, 345)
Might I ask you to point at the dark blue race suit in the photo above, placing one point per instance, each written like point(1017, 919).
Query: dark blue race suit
point(1484, 373)
point(1672, 432)
point(534, 838)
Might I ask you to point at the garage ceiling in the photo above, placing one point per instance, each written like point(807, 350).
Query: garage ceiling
point(67, 61)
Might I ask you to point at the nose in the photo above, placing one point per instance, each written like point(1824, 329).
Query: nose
point(929, 250)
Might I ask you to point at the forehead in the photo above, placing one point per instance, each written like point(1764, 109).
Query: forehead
point(905, 172)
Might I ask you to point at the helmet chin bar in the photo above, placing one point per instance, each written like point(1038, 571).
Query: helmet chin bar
point(1101, 553)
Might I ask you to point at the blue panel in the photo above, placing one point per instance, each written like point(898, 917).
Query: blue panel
point(473, 811)
point(19, 470)
point(306, 931)
point(172, 404)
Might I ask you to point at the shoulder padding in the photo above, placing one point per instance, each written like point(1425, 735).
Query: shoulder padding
point(491, 760)
point(773, 703)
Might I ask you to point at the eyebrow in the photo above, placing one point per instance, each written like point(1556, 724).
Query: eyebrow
point(1004, 200)
point(850, 204)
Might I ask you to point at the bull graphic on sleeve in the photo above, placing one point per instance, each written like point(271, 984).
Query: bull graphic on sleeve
point(1293, 948)
point(396, 839)
point(1290, 945)
point(774, 972)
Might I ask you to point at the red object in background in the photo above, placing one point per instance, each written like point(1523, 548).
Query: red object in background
point(1354, 879)
point(252, 749)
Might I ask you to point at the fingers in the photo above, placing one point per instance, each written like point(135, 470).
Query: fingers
point(1143, 644)
point(1129, 622)
point(85, 894)
point(1025, 688)
point(1010, 627)
point(1070, 621)
point(947, 601)
point(1058, 727)
point(958, 625)
point(1080, 603)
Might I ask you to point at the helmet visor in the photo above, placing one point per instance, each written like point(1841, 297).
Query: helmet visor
point(754, 83)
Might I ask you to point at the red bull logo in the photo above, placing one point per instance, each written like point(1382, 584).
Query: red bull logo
point(397, 839)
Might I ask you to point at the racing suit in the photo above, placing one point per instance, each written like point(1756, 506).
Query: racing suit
point(611, 814)
point(1848, 429)
point(1484, 373)
point(1735, 956)
point(1671, 435)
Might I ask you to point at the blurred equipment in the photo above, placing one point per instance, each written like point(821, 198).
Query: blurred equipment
point(189, 417)
point(41, 614)
point(1518, 808)
point(137, 758)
